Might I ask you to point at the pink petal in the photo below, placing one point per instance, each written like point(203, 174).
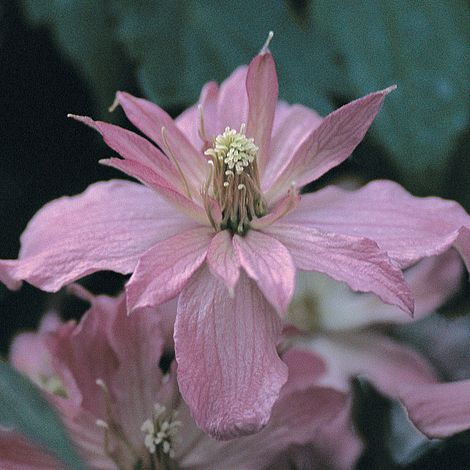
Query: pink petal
point(386, 363)
point(137, 385)
point(286, 204)
point(141, 172)
point(150, 119)
point(17, 453)
point(165, 269)
point(357, 261)
point(232, 102)
point(82, 354)
point(109, 226)
point(189, 121)
point(438, 410)
point(301, 417)
point(135, 148)
point(29, 353)
point(292, 124)
point(262, 89)
point(269, 263)
point(237, 376)
point(432, 281)
point(330, 143)
point(223, 260)
point(406, 227)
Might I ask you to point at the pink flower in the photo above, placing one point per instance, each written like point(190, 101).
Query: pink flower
point(220, 221)
point(123, 412)
point(342, 333)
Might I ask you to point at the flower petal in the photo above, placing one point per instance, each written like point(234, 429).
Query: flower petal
point(262, 89)
point(408, 228)
point(269, 263)
point(150, 119)
point(386, 363)
point(182, 203)
point(237, 376)
point(135, 148)
point(337, 307)
point(109, 226)
point(223, 260)
point(357, 261)
point(190, 120)
point(232, 102)
point(292, 124)
point(164, 270)
point(330, 143)
point(438, 410)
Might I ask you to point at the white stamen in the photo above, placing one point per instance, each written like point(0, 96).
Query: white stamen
point(160, 430)
point(265, 47)
point(102, 424)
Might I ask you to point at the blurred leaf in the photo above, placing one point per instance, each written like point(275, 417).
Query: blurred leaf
point(85, 31)
point(176, 47)
point(179, 46)
point(422, 47)
point(24, 409)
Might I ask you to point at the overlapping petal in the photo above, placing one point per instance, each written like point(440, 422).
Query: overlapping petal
point(262, 90)
point(408, 228)
point(151, 119)
point(234, 341)
point(223, 260)
point(357, 261)
point(268, 262)
point(108, 227)
point(164, 270)
point(292, 124)
point(329, 144)
point(320, 301)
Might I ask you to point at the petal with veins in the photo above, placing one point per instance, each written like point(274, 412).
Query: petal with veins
point(262, 90)
point(268, 262)
point(408, 228)
point(164, 270)
point(357, 261)
point(234, 341)
point(329, 144)
point(150, 119)
point(223, 260)
point(108, 227)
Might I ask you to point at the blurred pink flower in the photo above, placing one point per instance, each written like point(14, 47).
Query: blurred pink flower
point(222, 193)
point(123, 412)
point(340, 326)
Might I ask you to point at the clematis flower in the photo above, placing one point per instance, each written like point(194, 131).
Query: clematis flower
point(123, 412)
point(342, 327)
point(220, 220)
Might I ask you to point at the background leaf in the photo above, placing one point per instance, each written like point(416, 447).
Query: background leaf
point(422, 47)
point(23, 408)
point(85, 31)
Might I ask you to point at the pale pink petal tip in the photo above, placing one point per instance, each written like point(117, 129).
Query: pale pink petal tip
point(7, 276)
point(388, 90)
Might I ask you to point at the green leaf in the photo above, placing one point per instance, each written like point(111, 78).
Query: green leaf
point(24, 409)
point(423, 48)
point(178, 46)
point(85, 31)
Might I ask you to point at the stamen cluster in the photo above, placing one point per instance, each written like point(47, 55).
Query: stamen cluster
point(234, 181)
point(160, 431)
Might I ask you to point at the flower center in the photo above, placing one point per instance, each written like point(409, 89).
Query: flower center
point(234, 181)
